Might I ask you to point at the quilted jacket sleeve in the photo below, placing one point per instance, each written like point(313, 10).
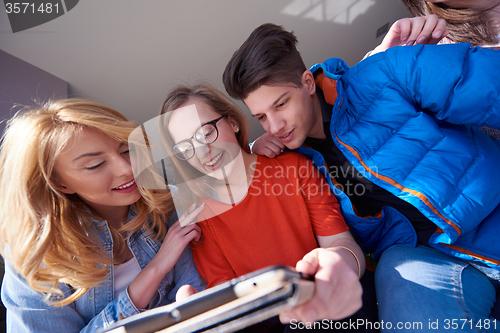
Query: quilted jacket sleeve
point(458, 83)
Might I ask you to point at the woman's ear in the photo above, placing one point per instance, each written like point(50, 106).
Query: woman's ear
point(65, 189)
point(61, 187)
point(234, 123)
point(308, 82)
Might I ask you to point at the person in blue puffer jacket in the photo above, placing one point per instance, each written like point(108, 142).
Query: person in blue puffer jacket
point(417, 179)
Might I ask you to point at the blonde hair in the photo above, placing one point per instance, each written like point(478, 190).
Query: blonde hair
point(44, 233)
point(221, 104)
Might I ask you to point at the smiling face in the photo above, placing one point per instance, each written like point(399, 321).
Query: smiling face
point(208, 159)
point(97, 168)
point(288, 112)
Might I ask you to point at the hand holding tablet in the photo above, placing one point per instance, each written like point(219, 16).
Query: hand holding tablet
point(228, 307)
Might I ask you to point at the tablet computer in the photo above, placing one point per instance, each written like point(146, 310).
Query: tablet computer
point(227, 307)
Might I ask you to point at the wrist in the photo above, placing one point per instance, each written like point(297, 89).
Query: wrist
point(358, 264)
point(378, 49)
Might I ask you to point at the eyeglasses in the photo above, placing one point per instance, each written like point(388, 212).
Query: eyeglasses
point(206, 134)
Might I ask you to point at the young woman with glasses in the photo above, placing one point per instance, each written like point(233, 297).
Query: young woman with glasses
point(258, 211)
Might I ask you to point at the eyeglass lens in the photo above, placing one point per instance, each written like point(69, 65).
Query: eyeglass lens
point(205, 135)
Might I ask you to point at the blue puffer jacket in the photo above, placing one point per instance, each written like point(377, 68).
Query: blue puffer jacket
point(408, 119)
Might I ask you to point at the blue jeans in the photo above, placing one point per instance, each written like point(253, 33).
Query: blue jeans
point(425, 290)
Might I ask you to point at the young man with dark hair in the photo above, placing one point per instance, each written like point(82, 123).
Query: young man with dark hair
point(399, 137)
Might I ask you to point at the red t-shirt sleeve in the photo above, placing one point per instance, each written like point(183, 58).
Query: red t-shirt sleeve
point(323, 208)
point(209, 259)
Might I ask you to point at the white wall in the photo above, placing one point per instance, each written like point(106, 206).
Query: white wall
point(128, 53)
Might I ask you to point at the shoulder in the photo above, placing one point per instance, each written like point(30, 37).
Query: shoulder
point(430, 56)
point(294, 161)
point(291, 158)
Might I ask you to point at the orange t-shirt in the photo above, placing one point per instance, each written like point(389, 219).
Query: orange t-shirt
point(287, 204)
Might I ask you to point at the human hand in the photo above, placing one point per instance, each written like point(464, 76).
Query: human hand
point(267, 145)
point(184, 292)
point(429, 29)
point(337, 292)
point(142, 289)
point(181, 233)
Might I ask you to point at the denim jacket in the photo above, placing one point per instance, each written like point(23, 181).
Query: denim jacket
point(99, 307)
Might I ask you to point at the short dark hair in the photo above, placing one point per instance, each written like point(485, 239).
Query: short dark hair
point(268, 56)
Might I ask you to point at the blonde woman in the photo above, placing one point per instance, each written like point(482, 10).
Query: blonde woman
point(83, 246)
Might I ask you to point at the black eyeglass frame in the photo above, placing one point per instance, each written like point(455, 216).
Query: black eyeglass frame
point(190, 140)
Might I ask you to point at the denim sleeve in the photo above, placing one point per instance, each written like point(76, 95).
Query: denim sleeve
point(28, 312)
point(185, 272)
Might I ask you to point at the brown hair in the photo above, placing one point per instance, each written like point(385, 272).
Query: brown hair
point(221, 104)
point(268, 56)
point(464, 24)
